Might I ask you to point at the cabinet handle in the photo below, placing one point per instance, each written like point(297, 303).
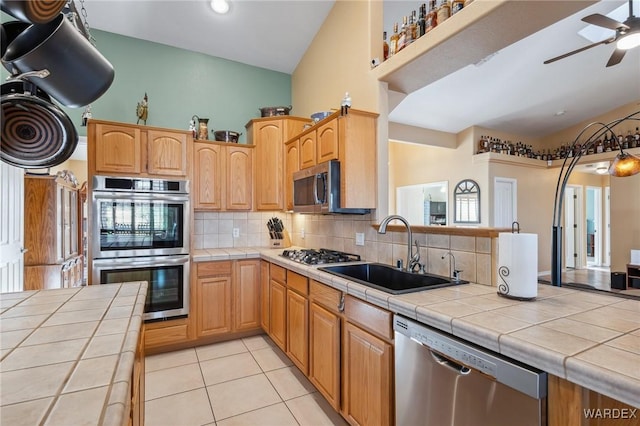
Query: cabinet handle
point(341, 304)
point(23, 250)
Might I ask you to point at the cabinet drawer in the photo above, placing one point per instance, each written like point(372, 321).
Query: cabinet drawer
point(369, 317)
point(326, 296)
point(298, 282)
point(207, 269)
point(166, 335)
point(278, 273)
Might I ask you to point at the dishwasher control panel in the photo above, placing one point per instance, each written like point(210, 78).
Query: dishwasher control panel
point(452, 350)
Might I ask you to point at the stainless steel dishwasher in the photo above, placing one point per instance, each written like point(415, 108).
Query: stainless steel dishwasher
point(443, 380)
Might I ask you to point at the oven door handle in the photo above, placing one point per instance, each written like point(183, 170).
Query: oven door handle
point(125, 262)
point(119, 196)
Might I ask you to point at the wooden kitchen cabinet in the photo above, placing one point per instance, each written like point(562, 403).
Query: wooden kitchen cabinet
point(264, 296)
point(227, 297)
point(292, 153)
point(324, 341)
point(222, 178)
point(367, 379)
point(246, 291)
point(132, 150)
point(268, 135)
point(308, 150)
point(136, 416)
point(52, 232)
point(278, 305)
point(327, 142)
point(298, 320)
point(367, 364)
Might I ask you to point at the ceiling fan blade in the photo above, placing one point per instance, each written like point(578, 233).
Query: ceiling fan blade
point(548, 61)
point(604, 21)
point(616, 57)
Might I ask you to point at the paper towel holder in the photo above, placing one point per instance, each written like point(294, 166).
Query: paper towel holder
point(503, 271)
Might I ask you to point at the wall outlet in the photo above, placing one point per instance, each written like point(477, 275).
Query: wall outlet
point(302, 233)
point(359, 238)
point(236, 232)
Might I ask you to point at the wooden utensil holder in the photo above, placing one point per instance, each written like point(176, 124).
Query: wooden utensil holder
point(281, 243)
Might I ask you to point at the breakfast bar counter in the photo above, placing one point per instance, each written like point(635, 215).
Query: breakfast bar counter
point(69, 355)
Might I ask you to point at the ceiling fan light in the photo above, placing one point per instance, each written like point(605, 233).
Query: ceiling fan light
point(624, 165)
point(629, 41)
point(220, 6)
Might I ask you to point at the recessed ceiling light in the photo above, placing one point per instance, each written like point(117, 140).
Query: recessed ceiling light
point(220, 6)
point(559, 113)
point(601, 170)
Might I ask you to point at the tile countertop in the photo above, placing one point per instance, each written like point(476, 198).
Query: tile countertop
point(67, 354)
point(590, 339)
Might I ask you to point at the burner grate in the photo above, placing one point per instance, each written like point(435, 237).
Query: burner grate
point(320, 256)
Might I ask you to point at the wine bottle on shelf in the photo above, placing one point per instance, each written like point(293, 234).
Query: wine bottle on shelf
point(599, 149)
point(385, 46)
point(421, 19)
point(628, 140)
point(636, 139)
point(432, 17)
point(413, 26)
point(402, 34)
point(393, 47)
point(444, 11)
point(456, 6)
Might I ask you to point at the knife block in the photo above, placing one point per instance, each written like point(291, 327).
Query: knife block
point(281, 243)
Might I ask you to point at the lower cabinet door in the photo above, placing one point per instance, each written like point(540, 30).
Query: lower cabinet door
point(264, 295)
point(278, 314)
point(324, 353)
point(366, 378)
point(214, 306)
point(298, 330)
point(246, 289)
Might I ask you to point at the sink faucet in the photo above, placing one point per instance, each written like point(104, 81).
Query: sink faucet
point(455, 273)
point(410, 256)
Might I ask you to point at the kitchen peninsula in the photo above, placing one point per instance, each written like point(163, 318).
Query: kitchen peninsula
point(585, 341)
point(73, 356)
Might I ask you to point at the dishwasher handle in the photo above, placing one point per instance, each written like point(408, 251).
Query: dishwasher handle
point(458, 368)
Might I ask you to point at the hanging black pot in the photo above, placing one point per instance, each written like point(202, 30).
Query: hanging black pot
point(35, 132)
point(11, 30)
point(33, 11)
point(78, 73)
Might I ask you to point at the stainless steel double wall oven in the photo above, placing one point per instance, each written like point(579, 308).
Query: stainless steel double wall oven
point(140, 231)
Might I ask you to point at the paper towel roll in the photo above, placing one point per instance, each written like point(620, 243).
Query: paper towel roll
point(518, 265)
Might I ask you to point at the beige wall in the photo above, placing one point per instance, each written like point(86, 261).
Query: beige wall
point(625, 225)
point(77, 167)
point(338, 60)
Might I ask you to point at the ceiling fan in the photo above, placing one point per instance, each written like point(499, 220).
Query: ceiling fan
point(627, 35)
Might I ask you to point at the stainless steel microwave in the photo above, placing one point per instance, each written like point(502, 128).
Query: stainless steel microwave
point(317, 190)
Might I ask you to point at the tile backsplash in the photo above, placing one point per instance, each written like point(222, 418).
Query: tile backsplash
point(473, 255)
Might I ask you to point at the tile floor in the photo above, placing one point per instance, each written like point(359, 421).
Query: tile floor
point(241, 382)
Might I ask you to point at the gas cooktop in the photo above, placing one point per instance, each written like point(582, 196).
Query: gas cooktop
point(318, 257)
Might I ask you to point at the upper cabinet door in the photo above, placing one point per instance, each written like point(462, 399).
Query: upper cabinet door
point(117, 149)
point(167, 153)
point(291, 165)
point(269, 165)
point(207, 179)
point(327, 141)
point(308, 150)
point(239, 185)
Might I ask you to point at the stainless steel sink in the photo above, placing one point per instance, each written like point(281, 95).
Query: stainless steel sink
point(390, 279)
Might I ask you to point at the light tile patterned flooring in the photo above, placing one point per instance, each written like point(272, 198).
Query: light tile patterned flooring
point(241, 382)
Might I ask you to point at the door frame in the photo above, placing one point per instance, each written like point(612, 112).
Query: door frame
point(578, 238)
point(513, 184)
point(597, 225)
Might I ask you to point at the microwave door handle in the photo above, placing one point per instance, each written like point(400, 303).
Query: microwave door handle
point(315, 189)
point(323, 178)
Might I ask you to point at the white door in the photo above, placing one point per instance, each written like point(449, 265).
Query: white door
point(505, 207)
point(410, 203)
point(11, 228)
point(570, 225)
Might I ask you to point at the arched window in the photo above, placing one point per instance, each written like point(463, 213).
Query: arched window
point(467, 201)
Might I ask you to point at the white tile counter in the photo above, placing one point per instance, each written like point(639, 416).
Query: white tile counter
point(590, 339)
point(67, 355)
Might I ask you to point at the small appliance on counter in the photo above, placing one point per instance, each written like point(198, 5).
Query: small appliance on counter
point(279, 236)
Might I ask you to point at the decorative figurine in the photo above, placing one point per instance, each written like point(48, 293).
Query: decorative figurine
point(86, 115)
point(142, 110)
point(345, 104)
point(192, 127)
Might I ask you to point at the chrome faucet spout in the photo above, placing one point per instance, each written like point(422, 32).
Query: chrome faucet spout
point(383, 230)
point(454, 274)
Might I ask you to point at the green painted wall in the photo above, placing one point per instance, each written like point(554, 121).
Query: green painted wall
point(179, 84)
